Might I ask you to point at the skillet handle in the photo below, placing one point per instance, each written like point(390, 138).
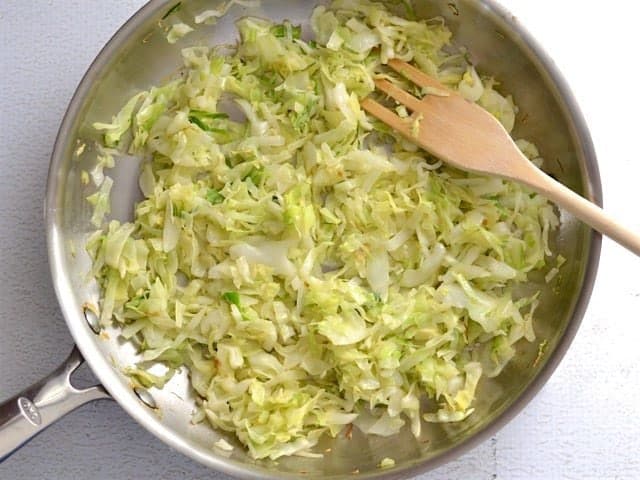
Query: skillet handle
point(31, 411)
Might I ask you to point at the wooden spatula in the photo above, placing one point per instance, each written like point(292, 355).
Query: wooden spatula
point(466, 136)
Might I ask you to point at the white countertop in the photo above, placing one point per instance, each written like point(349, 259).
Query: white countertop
point(584, 424)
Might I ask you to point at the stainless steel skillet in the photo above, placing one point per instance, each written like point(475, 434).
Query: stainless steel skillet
point(500, 48)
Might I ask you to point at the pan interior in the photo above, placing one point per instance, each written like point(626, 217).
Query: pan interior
point(138, 57)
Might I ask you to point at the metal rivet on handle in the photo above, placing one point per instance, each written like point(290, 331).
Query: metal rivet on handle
point(30, 411)
point(91, 316)
point(145, 397)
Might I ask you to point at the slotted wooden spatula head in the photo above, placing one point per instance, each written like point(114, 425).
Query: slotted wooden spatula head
point(450, 127)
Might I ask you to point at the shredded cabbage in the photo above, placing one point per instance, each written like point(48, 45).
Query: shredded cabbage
point(387, 463)
point(177, 31)
point(212, 15)
point(311, 268)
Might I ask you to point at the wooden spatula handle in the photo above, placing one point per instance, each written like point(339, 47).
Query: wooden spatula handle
point(588, 212)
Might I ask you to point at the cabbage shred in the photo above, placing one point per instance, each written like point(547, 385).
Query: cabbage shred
point(310, 267)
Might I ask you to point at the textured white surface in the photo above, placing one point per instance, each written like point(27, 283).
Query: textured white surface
point(585, 424)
